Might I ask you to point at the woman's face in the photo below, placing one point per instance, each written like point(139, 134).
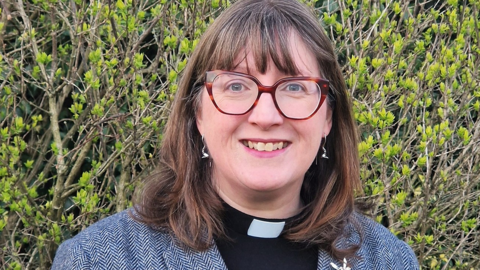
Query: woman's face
point(247, 178)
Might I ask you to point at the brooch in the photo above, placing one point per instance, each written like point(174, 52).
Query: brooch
point(344, 267)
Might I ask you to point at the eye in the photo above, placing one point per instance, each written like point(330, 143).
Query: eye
point(235, 87)
point(294, 87)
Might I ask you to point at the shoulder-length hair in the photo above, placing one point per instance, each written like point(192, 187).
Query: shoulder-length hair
point(181, 197)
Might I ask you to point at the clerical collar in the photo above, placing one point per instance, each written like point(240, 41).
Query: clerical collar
point(245, 224)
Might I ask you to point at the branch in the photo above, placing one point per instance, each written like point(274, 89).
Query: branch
point(78, 165)
point(121, 196)
point(54, 46)
point(145, 34)
point(61, 168)
point(456, 249)
point(28, 27)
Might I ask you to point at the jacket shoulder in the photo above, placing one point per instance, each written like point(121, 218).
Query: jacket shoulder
point(117, 241)
point(381, 249)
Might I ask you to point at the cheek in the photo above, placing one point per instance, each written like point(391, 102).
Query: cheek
point(315, 127)
point(314, 135)
point(311, 135)
point(216, 127)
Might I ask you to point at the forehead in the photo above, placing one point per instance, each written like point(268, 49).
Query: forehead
point(292, 58)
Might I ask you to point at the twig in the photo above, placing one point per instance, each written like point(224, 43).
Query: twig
point(456, 249)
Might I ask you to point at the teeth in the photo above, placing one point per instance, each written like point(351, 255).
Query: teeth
point(269, 146)
point(261, 146)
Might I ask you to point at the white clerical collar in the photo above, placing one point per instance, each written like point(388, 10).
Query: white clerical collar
point(245, 224)
point(265, 229)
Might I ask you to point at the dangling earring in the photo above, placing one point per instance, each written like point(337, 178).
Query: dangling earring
point(204, 154)
point(324, 155)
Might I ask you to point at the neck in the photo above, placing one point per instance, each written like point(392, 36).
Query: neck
point(264, 206)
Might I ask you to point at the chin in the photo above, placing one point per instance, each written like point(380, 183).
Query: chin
point(266, 186)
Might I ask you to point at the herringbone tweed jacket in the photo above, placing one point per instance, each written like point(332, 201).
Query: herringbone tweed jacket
point(119, 242)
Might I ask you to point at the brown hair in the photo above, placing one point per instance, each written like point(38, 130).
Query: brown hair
point(181, 197)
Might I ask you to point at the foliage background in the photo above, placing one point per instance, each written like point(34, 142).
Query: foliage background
point(85, 89)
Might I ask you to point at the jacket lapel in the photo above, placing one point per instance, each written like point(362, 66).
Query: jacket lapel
point(356, 262)
point(324, 260)
point(183, 258)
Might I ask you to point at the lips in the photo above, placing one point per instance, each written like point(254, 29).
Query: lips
point(265, 146)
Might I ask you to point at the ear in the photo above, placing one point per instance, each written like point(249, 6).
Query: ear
point(199, 123)
point(328, 122)
point(199, 116)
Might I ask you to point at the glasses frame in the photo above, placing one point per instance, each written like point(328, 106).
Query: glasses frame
point(323, 84)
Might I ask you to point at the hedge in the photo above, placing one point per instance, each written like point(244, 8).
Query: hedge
point(86, 86)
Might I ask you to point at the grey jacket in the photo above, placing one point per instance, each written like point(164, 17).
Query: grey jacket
point(119, 242)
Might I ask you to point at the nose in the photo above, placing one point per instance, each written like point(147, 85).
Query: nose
point(265, 114)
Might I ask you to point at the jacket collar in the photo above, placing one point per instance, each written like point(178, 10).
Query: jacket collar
point(184, 258)
point(180, 258)
point(177, 257)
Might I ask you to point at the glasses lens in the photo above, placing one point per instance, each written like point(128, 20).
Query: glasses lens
point(299, 98)
point(233, 93)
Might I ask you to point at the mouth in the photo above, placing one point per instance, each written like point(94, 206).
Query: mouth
point(265, 146)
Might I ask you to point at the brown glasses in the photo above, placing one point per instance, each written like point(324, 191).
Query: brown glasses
point(237, 93)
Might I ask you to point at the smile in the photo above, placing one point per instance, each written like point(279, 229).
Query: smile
point(267, 147)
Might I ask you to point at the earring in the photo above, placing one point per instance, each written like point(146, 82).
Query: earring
point(204, 153)
point(324, 155)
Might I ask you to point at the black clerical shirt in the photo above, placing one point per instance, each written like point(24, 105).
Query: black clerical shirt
point(245, 252)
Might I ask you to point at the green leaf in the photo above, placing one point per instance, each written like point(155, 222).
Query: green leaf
point(118, 145)
point(172, 76)
point(138, 61)
point(97, 110)
point(28, 164)
point(44, 58)
point(400, 198)
point(422, 161)
point(95, 56)
point(54, 148)
point(185, 46)
point(19, 125)
point(120, 5)
point(376, 63)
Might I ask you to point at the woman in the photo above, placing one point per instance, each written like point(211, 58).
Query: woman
point(258, 165)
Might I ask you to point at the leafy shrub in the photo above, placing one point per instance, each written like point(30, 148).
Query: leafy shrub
point(85, 89)
point(413, 72)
